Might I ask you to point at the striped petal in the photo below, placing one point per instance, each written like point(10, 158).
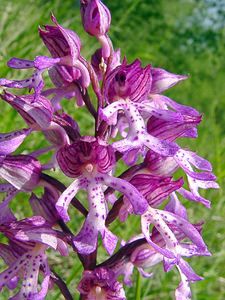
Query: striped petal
point(22, 171)
point(9, 142)
point(163, 80)
point(155, 189)
point(37, 114)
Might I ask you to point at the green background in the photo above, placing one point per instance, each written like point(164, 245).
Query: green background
point(185, 37)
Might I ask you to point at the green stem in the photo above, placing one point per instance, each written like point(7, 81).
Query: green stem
point(138, 287)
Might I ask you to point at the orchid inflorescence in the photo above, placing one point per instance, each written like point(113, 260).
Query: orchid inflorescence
point(134, 123)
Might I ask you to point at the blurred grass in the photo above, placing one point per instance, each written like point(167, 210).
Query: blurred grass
point(181, 36)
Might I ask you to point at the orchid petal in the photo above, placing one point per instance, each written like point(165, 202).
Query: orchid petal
point(162, 147)
point(18, 63)
point(12, 271)
point(37, 114)
point(46, 281)
point(39, 236)
point(6, 254)
point(30, 282)
point(163, 80)
point(189, 230)
point(65, 199)
point(196, 160)
point(183, 291)
point(188, 271)
point(147, 110)
point(22, 171)
point(6, 215)
point(109, 113)
point(175, 206)
point(137, 201)
point(171, 130)
point(151, 217)
point(6, 187)
point(155, 189)
point(9, 142)
point(86, 240)
point(160, 100)
point(182, 158)
point(190, 250)
point(44, 62)
point(35, 81)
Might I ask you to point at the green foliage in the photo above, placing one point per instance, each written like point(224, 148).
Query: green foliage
point(182, 36)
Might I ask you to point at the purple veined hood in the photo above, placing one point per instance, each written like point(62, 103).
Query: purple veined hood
point(101, 283)
point(64, 43)
point(86, 152)
point(22, 171)
point(37, 114)
point(130, 82)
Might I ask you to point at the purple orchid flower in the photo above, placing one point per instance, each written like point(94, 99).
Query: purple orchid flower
point(23, 173)
point(126, 87)
point(100, 284)
point(90, 161)
point(25, 255)
point(35, 81)
point(65, 44)
point(144, 255)
point(186, 160)
point(167, 223)
point(155, 189)
point(39, 116)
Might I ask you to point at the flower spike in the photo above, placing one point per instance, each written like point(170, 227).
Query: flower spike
point(67, 165)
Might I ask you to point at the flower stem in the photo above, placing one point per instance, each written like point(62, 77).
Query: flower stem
point(138, 287)
point(61, 285)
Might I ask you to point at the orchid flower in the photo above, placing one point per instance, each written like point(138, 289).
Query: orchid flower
point(101, 284)
point(126, 86)
point(90, 161)
point(29, 239)
point(64, 45)
point(145, 255)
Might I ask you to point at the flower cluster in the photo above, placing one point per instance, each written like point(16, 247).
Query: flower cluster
point(134, 123)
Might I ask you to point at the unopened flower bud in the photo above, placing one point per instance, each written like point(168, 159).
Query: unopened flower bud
point(96, 20)
point(96, 17)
